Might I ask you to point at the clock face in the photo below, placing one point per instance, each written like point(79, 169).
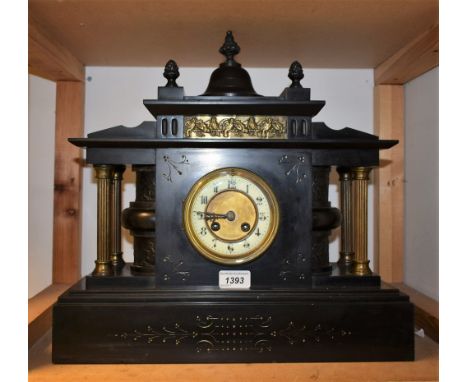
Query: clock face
point(231, 216)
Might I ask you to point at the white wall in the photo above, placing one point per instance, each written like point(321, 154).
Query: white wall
point(114, 96)
point(41, 141)
point(422, 180)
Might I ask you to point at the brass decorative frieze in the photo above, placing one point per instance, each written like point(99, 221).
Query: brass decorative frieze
point(233, 126)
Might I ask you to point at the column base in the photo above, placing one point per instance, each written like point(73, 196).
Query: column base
point(361, 268)
point(346, 258)
point(103, 268)
point(117, 260)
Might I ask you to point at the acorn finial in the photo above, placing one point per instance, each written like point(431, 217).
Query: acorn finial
point(229, 48)
point(171, 73)
point(296, 74)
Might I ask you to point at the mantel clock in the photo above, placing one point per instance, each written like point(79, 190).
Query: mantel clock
point(230, 226)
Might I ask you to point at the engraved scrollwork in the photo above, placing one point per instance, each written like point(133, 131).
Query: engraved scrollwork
point(259, 346)
point(295, 333)
point(291, 267)
point(245, 127)
point(242, 333)
point(176, 334)
point(174, 165)
point(235, 333)
point(218, 321)
point(295, 166)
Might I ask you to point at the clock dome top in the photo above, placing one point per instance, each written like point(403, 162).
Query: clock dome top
point(230, 79)
point(230, 91)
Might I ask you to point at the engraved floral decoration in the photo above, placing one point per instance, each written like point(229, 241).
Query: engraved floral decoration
point(241, 333)
point(174, 166)
point(290, 266)
point(175, 269)
point(295, 333)
point(235, 334)
point(295, 166)
point(174, 334)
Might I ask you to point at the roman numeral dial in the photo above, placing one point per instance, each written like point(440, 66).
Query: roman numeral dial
point(231, 216)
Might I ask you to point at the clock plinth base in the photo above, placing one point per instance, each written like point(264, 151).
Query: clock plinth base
point(338, 276)
point(121, 278)
point(148, 325)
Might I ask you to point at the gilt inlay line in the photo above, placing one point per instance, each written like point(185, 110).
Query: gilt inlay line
point(234, 333)
point(295, 166)
point(174, 166)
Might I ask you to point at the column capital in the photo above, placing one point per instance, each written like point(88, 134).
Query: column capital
point(103, 171)
point(361, 173)
point(344, 172)
point(118, 172)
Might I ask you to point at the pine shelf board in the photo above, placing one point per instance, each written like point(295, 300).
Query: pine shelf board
point(425, 368)
point(271, 33)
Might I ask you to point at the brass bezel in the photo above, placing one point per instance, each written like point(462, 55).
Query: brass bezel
point(254, 253)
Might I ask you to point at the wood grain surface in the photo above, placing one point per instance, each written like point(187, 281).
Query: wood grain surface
point(425, 368)
point(271, 33)
point(389, 180)
point(69, 122)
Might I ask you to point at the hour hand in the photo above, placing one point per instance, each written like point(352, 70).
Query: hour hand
point(211, 215)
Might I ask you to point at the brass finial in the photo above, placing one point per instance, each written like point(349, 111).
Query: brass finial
point(229, 48)
point(171, 73)
point(296, 74)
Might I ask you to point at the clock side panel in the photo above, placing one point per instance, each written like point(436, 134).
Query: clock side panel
point(288, 260)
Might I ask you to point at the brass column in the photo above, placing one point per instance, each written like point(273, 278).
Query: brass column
point(116, 211)
point(360, 177)
point(346, 206)
point(104, 175)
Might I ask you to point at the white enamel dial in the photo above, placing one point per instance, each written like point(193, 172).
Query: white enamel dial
point(231, 216)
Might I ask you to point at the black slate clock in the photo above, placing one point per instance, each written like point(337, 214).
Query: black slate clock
point(231, 223)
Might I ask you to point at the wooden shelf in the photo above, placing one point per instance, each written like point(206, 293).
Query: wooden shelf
point(40, 311)
point(398, 38)
point(426, 310)
point(271, 33)
point(425, 368)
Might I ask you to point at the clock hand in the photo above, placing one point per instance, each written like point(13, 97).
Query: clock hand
point(212, 215)
point(230, 215)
